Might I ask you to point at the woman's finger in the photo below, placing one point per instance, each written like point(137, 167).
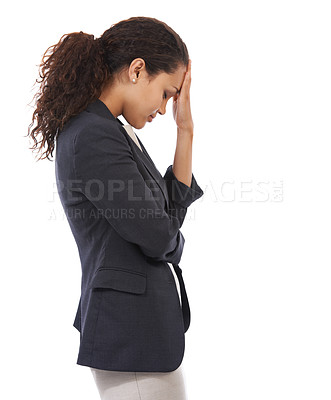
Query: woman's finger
point(188, 72)
point(186, 83)
point(187, 79)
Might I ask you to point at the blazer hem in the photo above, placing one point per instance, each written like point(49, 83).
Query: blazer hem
point(102, 360)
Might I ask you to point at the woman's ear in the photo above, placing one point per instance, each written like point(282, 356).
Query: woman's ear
point(137, 65)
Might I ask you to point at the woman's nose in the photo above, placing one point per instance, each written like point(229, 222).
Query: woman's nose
point(162, 109)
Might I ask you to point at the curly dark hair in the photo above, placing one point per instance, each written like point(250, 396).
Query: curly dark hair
point(74, 71)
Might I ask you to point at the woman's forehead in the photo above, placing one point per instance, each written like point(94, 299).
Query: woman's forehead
point(175, 79)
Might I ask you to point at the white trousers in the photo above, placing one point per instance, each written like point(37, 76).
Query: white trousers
point(119, 385)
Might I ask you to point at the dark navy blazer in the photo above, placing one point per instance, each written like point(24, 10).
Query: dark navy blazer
point(126, 220)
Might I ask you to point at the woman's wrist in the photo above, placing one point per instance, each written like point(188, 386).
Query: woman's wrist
point(187, 131)
point(182, 165)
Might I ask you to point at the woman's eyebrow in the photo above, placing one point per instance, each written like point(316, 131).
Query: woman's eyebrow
point(176, 89)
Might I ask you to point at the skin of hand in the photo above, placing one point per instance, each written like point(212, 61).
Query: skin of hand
point(182, 164)
point(181, 107)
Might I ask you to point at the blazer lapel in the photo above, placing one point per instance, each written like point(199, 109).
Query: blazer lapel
point(100, 108)
point(149, 164)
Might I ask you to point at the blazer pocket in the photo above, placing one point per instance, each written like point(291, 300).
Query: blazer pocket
point(119, 279)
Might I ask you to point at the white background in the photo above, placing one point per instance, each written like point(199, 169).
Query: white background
point(257, 254)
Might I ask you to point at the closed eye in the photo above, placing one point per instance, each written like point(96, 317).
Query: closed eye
point(164, 95)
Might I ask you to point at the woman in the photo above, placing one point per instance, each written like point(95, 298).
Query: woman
point(124, 215)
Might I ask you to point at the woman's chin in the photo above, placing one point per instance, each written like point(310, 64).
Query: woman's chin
point(139, 125)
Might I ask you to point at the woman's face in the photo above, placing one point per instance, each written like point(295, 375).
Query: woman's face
point(148, 97)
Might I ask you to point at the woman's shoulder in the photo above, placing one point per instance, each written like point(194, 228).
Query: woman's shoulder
point(87, 125)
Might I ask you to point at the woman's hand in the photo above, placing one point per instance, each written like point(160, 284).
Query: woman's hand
point(181, 107)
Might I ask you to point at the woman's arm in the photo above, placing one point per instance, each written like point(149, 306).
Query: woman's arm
point(107, 175)
point(182, 165)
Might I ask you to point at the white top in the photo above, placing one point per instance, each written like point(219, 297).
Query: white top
point(129, 129)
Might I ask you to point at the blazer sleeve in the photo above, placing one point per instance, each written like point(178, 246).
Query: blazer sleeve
point(181, 196)
point(108, 176)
